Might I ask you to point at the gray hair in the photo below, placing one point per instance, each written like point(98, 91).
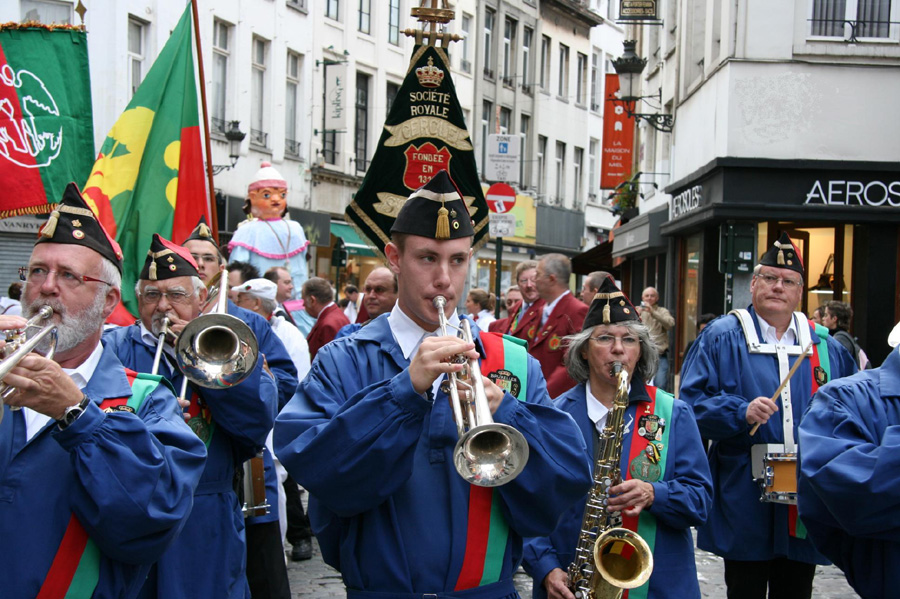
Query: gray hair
point(580, 370)
point(559, 266)
point(109, 272)
point(268, 305)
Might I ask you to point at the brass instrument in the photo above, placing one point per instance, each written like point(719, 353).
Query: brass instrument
point(217, 350)
point(160, 344)
point(17, 347)
point(600, 570)
point(488, 454)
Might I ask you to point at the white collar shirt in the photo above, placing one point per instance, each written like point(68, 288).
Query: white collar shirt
point(596, 411)
point(769, 335)
point(548, 308)
point(35, 421)
point(409, 335)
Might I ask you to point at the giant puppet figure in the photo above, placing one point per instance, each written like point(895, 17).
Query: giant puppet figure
point(269, 237)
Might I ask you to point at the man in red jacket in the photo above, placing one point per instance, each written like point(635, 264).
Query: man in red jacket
point(318, 301)
point(524, 318)
point(562, 314)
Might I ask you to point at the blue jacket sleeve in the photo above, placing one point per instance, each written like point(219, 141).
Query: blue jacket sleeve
point(539, 557)
point(558, 472)
point(246, 411)
point(719, 414)
point(276, 356)
point(367, 442)
point(850, 451)
point(684, 497)
point(136, 476)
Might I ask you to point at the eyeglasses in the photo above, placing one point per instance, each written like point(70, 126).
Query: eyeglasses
point(152, 296)
point(789, 284)
point(628, 341)
point(38, 274)
point(208, 258)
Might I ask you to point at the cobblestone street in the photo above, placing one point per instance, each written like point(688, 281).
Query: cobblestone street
point(314, 580)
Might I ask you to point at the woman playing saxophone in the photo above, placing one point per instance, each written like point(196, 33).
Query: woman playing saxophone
point(662, 486)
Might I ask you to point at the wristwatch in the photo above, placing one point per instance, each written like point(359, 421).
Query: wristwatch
point(73, 413)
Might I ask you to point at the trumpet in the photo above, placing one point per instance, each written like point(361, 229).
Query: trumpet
point(487, 454)
point(17, 347)
point(217, 350)
point(160, 344)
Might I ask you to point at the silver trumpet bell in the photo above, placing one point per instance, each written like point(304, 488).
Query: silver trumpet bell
point(17, 347)
point(488, 453)
point(217, 350)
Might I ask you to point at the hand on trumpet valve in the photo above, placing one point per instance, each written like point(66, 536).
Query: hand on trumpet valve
point(492, 392)
point(438, 356)
point(631, 497)
point(11, 324)
point(41, 384)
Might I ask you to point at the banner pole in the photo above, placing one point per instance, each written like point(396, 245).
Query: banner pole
point(213, 214)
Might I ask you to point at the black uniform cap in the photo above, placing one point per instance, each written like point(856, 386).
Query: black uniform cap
point(609, 306)
point(436, 210)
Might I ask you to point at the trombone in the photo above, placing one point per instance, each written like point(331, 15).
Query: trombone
point(488, 454)
point(217, 350)
point(16, 348)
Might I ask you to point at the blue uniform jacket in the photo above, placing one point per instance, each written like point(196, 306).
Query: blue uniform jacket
point(719, 379)
point(128, 479)
point(682, 499)
point(348, 329)
point(210, 554)
point(387, 505)
point(849, 498)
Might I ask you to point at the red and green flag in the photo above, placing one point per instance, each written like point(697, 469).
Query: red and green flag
point(149, 175)
point(46, 128)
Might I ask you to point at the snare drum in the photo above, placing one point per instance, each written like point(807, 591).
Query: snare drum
point(779, 480)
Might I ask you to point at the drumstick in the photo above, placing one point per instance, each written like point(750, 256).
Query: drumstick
point(786, 380)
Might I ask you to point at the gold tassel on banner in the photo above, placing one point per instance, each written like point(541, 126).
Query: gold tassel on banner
point(443, 224)
point(49, 229)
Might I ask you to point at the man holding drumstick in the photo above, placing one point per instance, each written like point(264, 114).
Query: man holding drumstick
point(730, 377)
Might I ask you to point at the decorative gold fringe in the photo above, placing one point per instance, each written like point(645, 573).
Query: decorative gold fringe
point(49, 229)
point(443, 224)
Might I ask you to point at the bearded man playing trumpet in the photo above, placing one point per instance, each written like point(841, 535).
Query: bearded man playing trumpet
point(664, 487)
point(232, 422)
point(97, 468)
point(371, 432)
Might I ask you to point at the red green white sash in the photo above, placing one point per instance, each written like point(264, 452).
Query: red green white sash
point(660, 405)
point(487, 531)
point(75, 571)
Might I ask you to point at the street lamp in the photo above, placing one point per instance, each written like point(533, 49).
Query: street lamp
point(629, 68)
point(234, 137)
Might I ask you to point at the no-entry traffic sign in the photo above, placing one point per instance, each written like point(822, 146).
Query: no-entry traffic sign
point(500, 198)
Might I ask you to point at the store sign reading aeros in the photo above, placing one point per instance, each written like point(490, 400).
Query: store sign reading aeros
point(848, 193)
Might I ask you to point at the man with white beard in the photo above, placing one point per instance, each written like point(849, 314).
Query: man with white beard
point(98, 467)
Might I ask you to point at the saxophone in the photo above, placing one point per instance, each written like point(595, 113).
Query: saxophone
point(608, 558)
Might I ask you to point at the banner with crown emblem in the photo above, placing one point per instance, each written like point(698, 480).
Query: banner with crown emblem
point(424, 133)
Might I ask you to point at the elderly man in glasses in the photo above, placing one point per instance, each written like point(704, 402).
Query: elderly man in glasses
point(232, 422)
point(729, 377)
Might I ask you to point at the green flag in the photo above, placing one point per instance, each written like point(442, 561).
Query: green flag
point(149, 176)
point(46, 127)
point(424, 133)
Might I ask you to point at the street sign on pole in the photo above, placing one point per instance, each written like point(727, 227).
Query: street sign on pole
point(504, 152)
point(502, 225)
point(500, 198)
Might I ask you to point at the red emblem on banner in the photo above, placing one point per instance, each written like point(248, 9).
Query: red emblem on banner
point(423, 163)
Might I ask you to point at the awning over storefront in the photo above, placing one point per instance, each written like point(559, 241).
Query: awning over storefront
point(598, 257)
point(640, 234)
point(353, 243)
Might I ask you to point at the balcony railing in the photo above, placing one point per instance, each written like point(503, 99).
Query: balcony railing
point(218, 125)
point(291, 147)
point(466, 66)
point(259, 138)
point(488, 73)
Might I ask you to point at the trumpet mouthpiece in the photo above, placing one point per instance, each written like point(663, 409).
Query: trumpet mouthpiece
point(439, 302)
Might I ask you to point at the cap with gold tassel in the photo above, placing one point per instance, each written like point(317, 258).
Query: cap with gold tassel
point(609, 306)
point(165, 260)
point(73, 222)
point(438, 202)
point(783, 254)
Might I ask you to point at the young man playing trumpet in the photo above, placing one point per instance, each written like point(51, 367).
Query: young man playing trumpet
point(371, 435)
point(233, 423)
point(97, 470)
